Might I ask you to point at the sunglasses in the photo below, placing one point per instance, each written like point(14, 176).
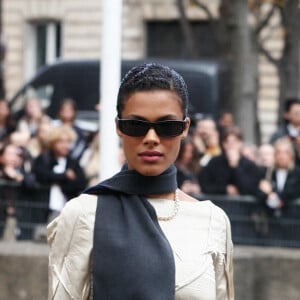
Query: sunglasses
point(138, 128)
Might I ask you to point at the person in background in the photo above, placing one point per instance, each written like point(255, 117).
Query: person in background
point(206, 133)
point(225, 120)
point(187, 164)
point(13, 173)
point(290, 126)
point(265, 155)
point(230, 173)
point(282, 185)
point(67, 115)
point(21, 140)
point(266, 161)
point(31, 195)
point(11, 162)
point(90, 162)
point(59, 172)
point(38, 143)
point(249, 150)
point(34, 115)
point(136, 235)
point(7, 124)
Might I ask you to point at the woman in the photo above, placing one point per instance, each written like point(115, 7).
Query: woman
point(33, 116)
point(281, 185)
point(231, 172)
point(67, 114)
point(125, 238)
point(13, 172)
point(54, 168)
point(38, 143)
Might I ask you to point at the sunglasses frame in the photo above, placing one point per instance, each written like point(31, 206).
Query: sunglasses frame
point(154, 125)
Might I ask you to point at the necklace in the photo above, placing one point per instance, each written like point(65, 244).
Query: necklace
point(175, 210)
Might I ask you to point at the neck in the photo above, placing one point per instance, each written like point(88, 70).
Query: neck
point(162, 196)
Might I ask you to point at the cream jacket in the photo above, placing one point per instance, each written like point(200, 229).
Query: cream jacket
point(200, 237)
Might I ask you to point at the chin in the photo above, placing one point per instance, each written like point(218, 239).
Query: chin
point(151, 170)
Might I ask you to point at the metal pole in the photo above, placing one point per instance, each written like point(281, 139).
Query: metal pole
point(109, 84)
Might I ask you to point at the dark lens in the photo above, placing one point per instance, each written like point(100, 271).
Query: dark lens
point(137, 128)
point(169, 128)
point(133, 127)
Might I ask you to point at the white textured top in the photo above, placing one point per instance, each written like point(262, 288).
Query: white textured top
point(200, 238)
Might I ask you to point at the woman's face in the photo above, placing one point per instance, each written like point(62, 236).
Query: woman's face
point(33, 108)
point(67, 113)
point(283, 156)
point(150, 155)
point(61, 147)
point(232, 143)
point(11, 157)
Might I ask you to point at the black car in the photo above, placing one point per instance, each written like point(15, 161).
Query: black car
point(208, 85)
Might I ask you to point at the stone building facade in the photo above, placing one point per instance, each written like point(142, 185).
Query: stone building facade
point(39, 31)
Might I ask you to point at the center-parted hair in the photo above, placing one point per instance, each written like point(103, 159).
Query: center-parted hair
point(149, 77)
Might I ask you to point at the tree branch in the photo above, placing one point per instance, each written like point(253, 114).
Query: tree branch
point(268, 55)
point(186, 29)
point(204, 8)
point(265, 21)
point(275, 61)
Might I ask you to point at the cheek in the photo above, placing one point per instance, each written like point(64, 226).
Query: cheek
point(173, 148)
point(129, 145)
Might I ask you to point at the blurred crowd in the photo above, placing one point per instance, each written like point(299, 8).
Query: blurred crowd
point(38, 151)
point(216, 160)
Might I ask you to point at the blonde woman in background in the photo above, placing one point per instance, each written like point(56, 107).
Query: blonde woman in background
point(56, 170)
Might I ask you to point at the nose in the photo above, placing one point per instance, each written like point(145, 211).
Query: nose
point(151, 137)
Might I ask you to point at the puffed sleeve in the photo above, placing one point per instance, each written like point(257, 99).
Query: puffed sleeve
point(70, 237)
point(223, 258)
point(224, 269)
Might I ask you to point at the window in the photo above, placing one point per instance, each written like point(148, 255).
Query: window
point(165, 39)
point(42, 45)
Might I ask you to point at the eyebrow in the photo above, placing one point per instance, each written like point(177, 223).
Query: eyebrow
point(162, 118)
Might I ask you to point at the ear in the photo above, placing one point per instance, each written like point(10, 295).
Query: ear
point(187, 127)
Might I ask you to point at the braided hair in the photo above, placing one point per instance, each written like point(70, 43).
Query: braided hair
point(149, 77)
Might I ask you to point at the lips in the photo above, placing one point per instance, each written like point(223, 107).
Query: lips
point(150, 156)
